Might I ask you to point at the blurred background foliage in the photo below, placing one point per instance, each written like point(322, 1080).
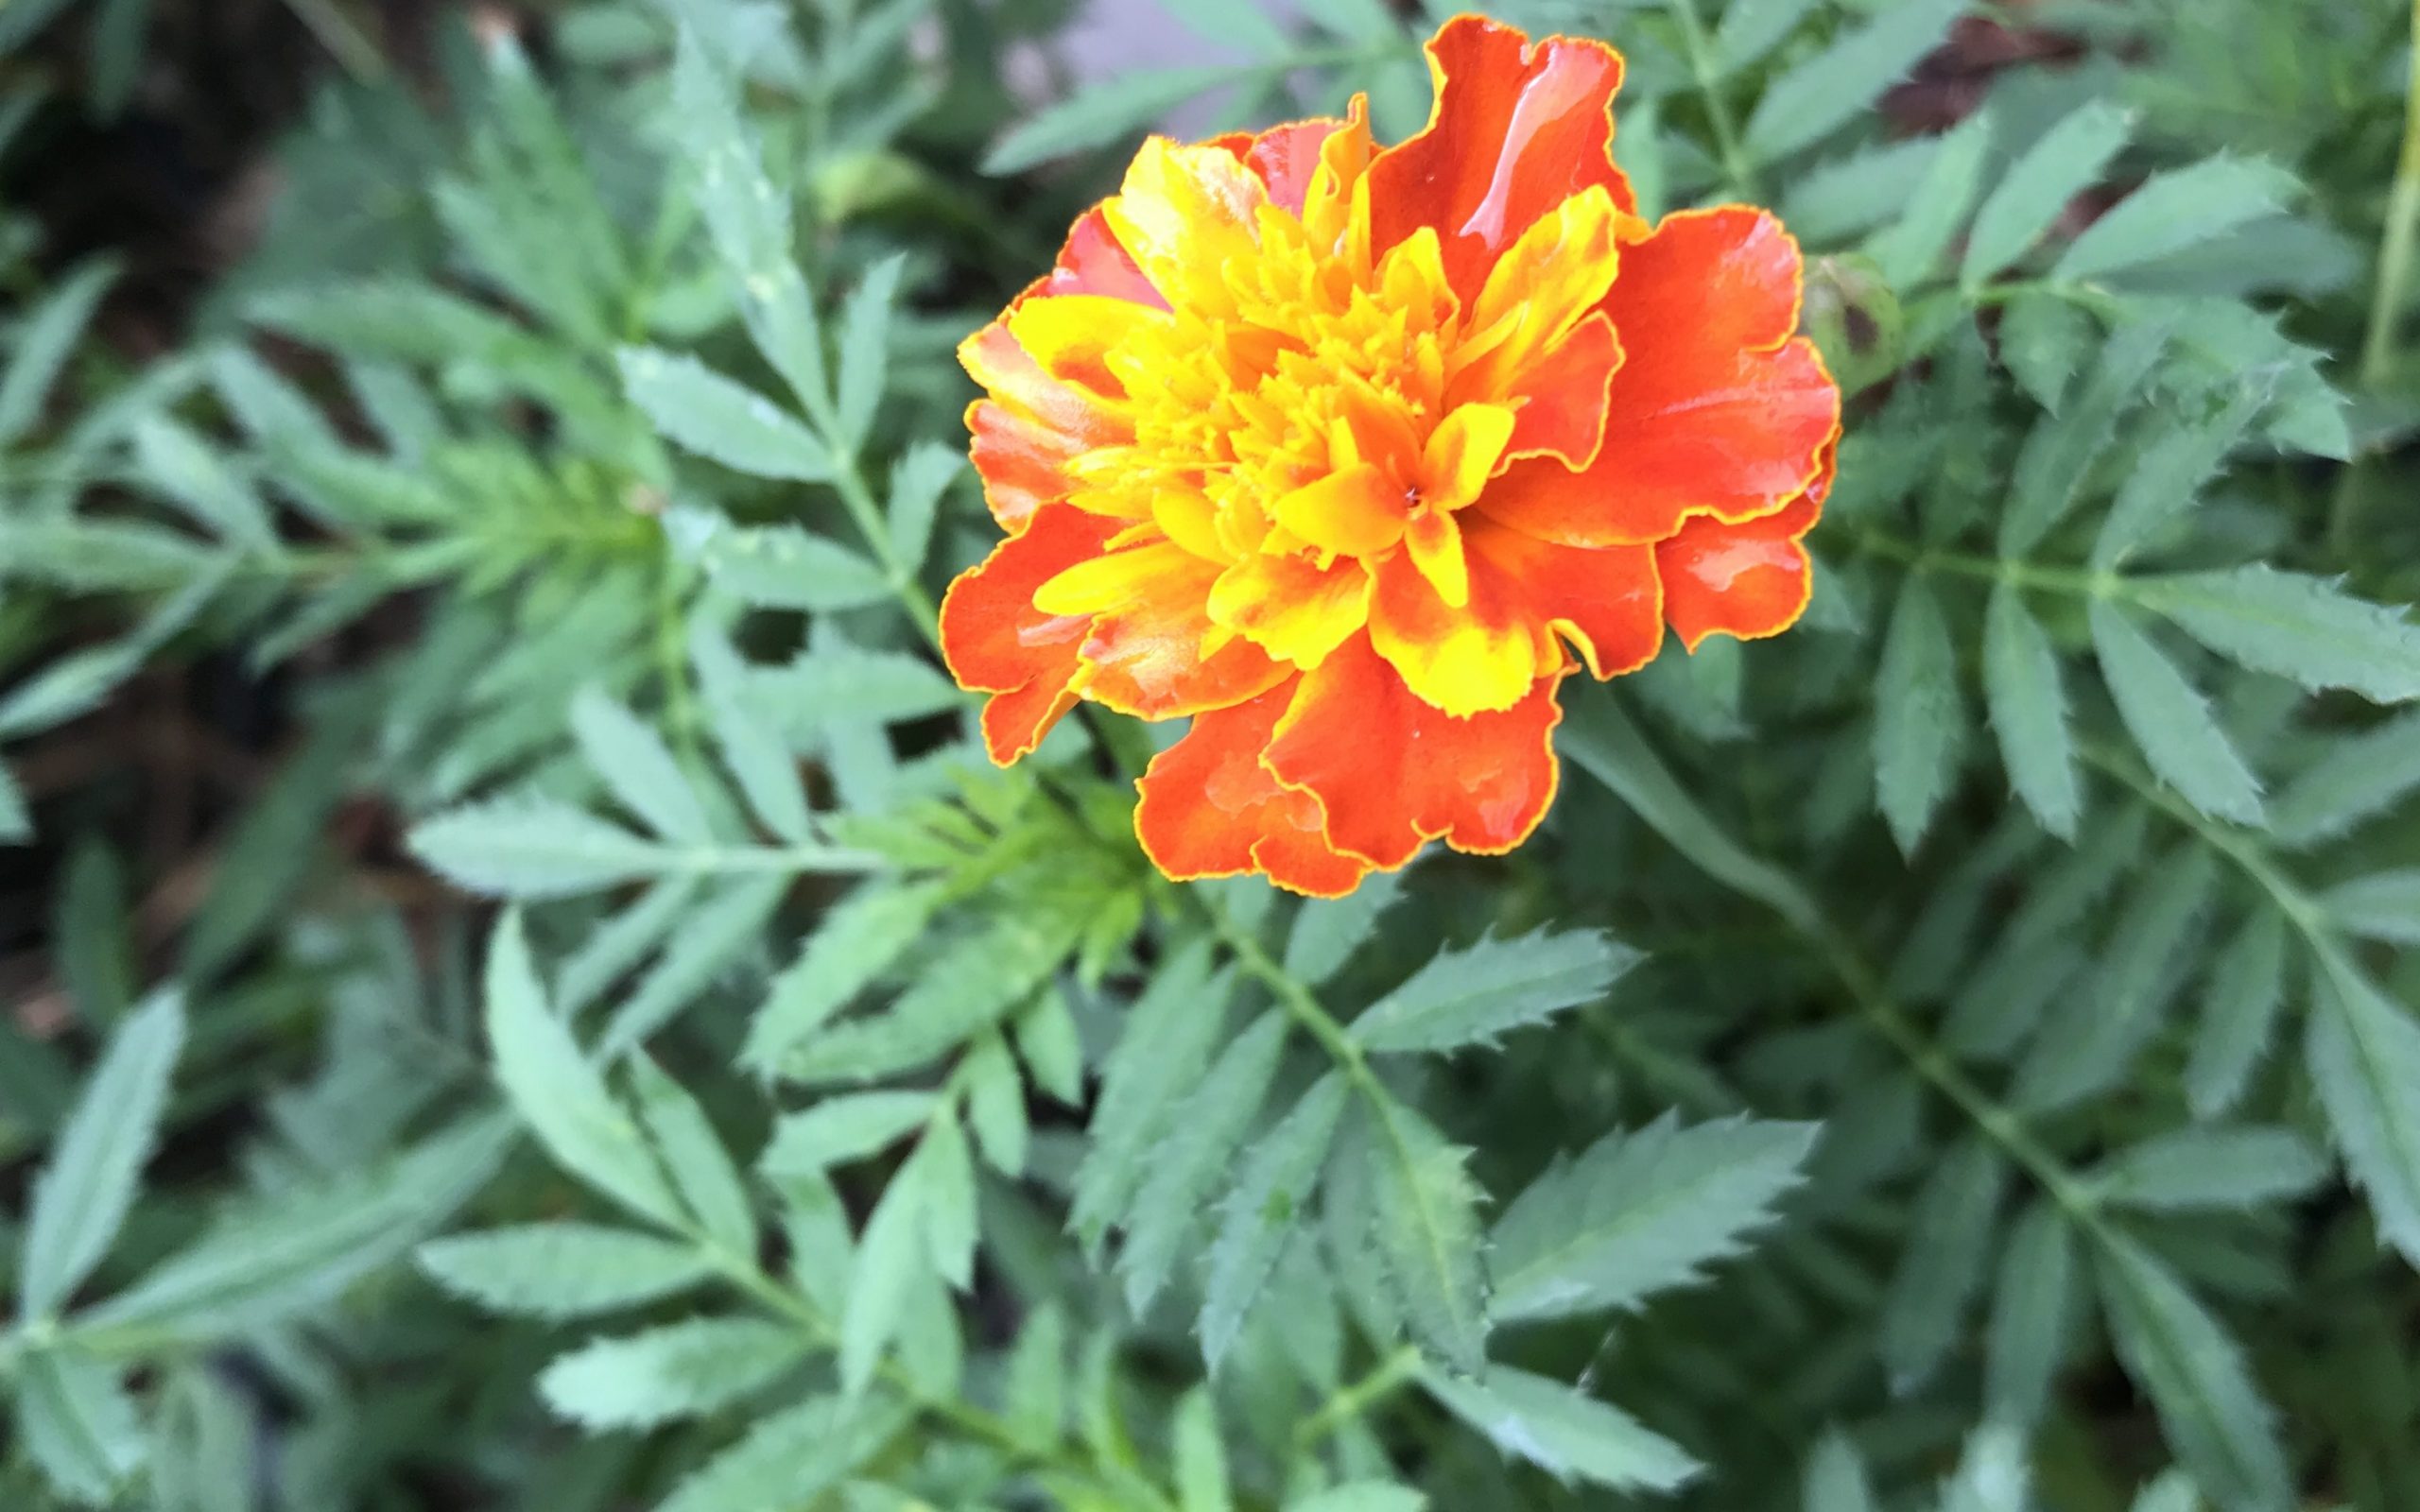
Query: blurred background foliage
point(520, 992)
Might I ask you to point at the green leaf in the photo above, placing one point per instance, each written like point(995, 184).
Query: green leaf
point(1033, 1392)
point(1827, 91)
point(791, 1457)
point(2197, 1378)
point(1907, 252)
point(1198, 1147)
point(1949, 1246)
point(865, 346)
point(78, 1424)
point(1361, 1496)
point(765, 770)
point(1836, 1479)
point(2355, 778)
point(2032, 1309)
point(1569, 1434)
point(2061, 448)
point(2029, 708)
point(2066, 160)
point(917, 480)
point(2174, 210)
point(2243, 1166)
point(856, 942)
point(1919, 720)
point(702, 1170)
point(45, 341)
point(637, 767)
point(271, 1259)
point(81, 1197)
point(776, 566)
point(996, 1112)
point(892, 1256)
point(512, 848)
point(705, 412)
point(2044, 342)
point(1475, 996)
point(2306, 629)
point(1269, 1202)
point(1426, 1208)
point(1171, 1034)
point(680, 1371)
point(949, 1201)
point(16, 824)
point(1641, 1212)
point(727, 924)
point(2384, 905)
point(2173, 470)
point(1751, 28)
point(561, 1270)
point(835, 687)
point(93, 933)
point(1100, 113)
point(1200, 1457)
point(558, 1094)
point(2171, 721)
point(2247, 986)
point(1328, 931)
point(1993, 1476)
point(2363, 1054)
point(841, 1129)
point(182, 468)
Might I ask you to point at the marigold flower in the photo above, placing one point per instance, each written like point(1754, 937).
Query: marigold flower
point(1352, 455)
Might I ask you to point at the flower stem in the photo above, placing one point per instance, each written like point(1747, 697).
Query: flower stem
point(2402, 223)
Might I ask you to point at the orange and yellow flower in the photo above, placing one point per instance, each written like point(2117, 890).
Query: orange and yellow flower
point(1349, 455)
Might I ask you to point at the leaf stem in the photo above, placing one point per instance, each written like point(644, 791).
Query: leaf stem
point(1726, 134)
point(1352, 1400)
point(2402, 223)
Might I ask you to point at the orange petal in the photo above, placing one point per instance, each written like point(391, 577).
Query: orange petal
point(1715, 409)
point(1392, 772)
point(995, 640)
point(1517, 127)
point(1032, 426)
point(1466, 658)
point(1606, 601)
point(1287, 158)
point(1294, 610)
point(1462, 454)
point(1092, 262)
point(1354, 510)
point(1542, 287)
point(1751, 579)
point(1562, 395)
point(1344, 158)
point(1210, 809)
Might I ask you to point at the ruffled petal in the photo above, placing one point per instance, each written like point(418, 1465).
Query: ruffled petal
point(1715, 409)
point(996, 640)
point(1094, 262)
point(1287, 158)
point(1751, 579)
point(1392, 772)
point(1561, 396)
point(1606, 601)
point(1209, 808)
point(1517, 128)
point(1465, 659)
point(1153, 651)
point(1292, 607)
point(1185, 214)
point(1031, 428)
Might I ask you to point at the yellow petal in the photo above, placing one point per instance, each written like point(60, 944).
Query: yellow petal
point(1561, 269)
point(1462, 453)
point(1291, 609)
point(1071, 335)
point(1191, 521)
point(1185, 213)
point(1435, 542)
point(1114, 581)
point(1354, 510)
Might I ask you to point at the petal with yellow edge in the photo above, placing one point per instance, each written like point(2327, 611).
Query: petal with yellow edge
point(1749, 581)
point(996, 640)
point(1209, 808)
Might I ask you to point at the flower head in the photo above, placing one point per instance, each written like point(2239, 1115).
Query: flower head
point(1351, 454)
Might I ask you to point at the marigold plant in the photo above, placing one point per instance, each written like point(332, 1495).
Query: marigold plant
point(1353, 454)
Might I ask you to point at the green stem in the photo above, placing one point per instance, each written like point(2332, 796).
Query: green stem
point(346, 42)
point(2402, 222)
point(1352, 1400)
point(1726, 134)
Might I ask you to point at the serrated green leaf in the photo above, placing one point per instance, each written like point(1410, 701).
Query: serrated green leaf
point(778, 566)
point(2066, 160)
point(1361, 1496)
point(1200, 1457)
point(2044, 342)
point(2171, 721)
point(1053, 1046)
point(702, 1172)
point(2175, 210)
point(45, 341)
point(1269, 1202)
point(1199, 1145)
point(1751, 28)
point(700, 410)
point(680, 1371)
point(86, 1187)
point(2384, 905)
point(2241, 1166)
point(1640, 1212)
point(717, 932)
point(1474, 995)
point(2196, 1377)
point(1569, 1434)
point(1033, 1391)
point(181, 467)
point(1909, 251)
point(2173, 470)
point(637, 767)
point(1836, 1479)
point(78, 1424)
point(1951, 1238)
point(1328, 931)
point(767, 772)
point(995, 1105)
point(2358, 777)
point(844, 1128)
point(1919, 720)
point(2061, 448)
point(520, 848)
point(1826, 91)
point(1099, 114)
point(830, 688)
point(2028, 709)
point(1424, 1208)
point(790, 1457)
point(1169, 1037)
point(561, 1270)
point(2032, 1308)
point(891, 1254)
point(558, 1094)
point(2246, 988)
point(856, 942)
point(949, 1201)
point(917, 480)
point(2306, 629)
point(865, 346)
point(2362, 1051)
